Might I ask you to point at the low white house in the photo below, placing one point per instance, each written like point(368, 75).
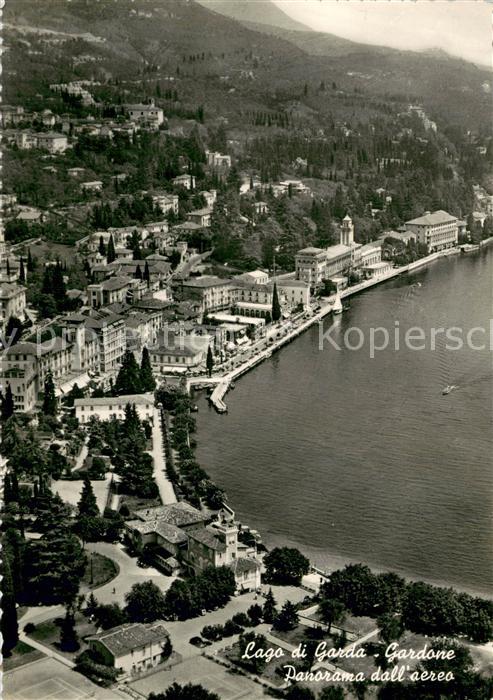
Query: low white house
point(106, 407)
point(92, 186)
point(131, 648)
point(182, 351)
point(378, 269)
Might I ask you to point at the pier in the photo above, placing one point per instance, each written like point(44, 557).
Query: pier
point(216, 398)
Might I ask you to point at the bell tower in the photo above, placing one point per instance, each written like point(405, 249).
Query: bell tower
point(347, 231)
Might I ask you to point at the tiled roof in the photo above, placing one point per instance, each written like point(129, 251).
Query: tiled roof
point(436, 217)
point(311, 251)
point(242, 565)
point(169, 532)
point(179, 514)
point(123, 639)
point(207, 538)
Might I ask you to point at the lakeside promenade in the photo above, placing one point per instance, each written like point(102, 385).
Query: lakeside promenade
point(221, 381)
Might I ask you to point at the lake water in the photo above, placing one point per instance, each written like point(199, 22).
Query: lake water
point(359, 459)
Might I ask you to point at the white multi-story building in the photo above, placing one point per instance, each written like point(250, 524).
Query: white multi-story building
point(218, 160)
point(52, 142)
point(146, 114)
point(113, 407)
point(12, 302)
point(201, 217)
point(165, 201)
point(438, 230)
point(214, 293)
point(310, 265)
point(338, 259)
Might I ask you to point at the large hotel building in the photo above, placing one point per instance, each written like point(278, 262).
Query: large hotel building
point(438, 230)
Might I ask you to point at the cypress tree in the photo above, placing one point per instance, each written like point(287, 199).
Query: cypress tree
point(8, 407)
point(147, 275)
point(102, 247)
point(8, 269)
point(30, 261)
point(209, 363)
point(269, 611)
point(146, 375)
point(128, 380)
point(138, 273)
point(22, 273)
point(9, 625)
point(49, 399)
point(13, 330)
point(110, 253)
point(87, 505)
point(7, 489)
point(276, 307)
point(14, 486)
point(14, 547)
point(69, 640)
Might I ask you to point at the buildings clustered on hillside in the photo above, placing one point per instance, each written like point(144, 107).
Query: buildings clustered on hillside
point(161, 300)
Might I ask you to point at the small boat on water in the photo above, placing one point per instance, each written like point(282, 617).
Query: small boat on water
point(337, 308)
point(448, 389)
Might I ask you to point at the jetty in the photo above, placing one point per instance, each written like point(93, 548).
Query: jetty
point(218, 394)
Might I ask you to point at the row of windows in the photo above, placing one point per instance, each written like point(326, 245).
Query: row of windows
point(110, 408)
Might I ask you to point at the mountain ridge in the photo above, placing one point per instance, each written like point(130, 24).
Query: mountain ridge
point(223, 62)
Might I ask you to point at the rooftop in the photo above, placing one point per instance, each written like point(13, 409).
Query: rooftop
point(200, 212)
point(183, 345)
point(123, 639)
point(243, 564)
point(10, 290)
point(208, 538)
point(311, 251)
point(171, 533)
point(51, 135)
point(334, 251)
point(433, 218)
point(180, 514)
point(205, 282)
point(140, 399)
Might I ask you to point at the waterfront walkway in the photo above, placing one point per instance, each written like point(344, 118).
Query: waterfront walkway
point(265, 347)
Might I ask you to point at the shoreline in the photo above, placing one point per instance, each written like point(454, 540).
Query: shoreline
point(324, 560)
point(222, 382)
point(328, 561)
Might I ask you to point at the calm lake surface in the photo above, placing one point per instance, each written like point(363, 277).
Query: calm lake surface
point(359, 459)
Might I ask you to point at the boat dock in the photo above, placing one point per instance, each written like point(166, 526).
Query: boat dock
point(219, 392)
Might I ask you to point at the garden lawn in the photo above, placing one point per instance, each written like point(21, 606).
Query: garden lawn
point(102, 570)
point(21, 654)
point(48, 633)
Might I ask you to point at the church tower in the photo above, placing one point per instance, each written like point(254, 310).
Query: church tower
point(347, 231)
